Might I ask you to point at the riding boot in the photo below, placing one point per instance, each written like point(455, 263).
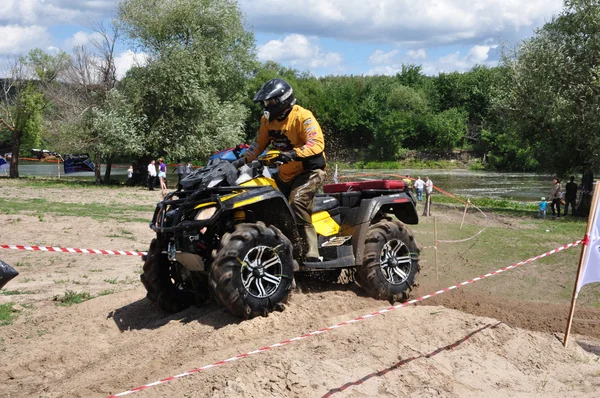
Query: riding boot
point(309, 235)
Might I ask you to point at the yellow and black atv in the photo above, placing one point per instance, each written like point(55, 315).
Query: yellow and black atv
point(231, 234)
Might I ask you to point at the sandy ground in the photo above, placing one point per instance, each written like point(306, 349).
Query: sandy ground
point(481, 346)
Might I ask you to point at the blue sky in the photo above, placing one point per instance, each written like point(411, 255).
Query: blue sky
point(324, 37)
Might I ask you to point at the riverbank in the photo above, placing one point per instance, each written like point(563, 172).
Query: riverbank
point(410, 164)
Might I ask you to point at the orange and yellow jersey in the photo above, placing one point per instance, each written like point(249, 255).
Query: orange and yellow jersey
point(299, 131)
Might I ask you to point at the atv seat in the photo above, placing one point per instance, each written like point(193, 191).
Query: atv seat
point(363, 185)
point(324, 203)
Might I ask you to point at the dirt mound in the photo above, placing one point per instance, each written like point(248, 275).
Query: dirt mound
point(117, 342)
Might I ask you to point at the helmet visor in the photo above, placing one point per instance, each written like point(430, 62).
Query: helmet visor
point(268, 102)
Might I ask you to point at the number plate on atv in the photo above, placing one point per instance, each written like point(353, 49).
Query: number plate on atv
point(336, 241)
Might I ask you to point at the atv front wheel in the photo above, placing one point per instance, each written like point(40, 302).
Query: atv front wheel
point(253, 271)
point(390, 263)
point(169, 284)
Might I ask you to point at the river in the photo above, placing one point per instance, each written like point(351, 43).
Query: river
point(514, 186)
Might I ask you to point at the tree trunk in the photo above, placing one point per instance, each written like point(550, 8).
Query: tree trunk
point(107, 171)
point(16, 147)
point(97, 174)
point(586, 190)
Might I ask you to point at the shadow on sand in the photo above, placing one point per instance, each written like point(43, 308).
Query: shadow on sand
point(144, 314)
point(403, 362)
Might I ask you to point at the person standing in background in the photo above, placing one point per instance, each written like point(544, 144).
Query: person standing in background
point(419, 186)
point(180, 169)
point(188, 168)
point(555, 197)
point(542, 207)
point(428, 191)
point(151, 175)
point(162, 176)
point(570, 196)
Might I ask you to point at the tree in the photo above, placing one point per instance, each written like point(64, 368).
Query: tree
point(552, 89)
point(23, 102)
point(86, 98)
point(192, 89)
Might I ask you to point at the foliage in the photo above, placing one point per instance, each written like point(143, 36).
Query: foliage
point(28, 116)
point(22, 102)
point(115, 128)
point(551, 89)
point(192, 88)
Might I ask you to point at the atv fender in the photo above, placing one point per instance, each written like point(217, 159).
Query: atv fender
point(400, 205)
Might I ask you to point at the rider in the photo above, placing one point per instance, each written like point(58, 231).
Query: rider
point(295, 132)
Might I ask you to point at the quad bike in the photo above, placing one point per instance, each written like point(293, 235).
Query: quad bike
point(231, 234)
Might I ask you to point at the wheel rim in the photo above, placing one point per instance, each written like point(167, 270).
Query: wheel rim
point(261, 271)
point(395, 262)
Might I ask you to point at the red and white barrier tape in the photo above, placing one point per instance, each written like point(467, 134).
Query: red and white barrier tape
point(72, 250)
point(339, 325)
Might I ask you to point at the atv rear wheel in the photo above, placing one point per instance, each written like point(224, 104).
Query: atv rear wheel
point(253, 271)
point(169, 284)
point(390, 263)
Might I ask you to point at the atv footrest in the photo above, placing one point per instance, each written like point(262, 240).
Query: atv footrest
point(342, 262)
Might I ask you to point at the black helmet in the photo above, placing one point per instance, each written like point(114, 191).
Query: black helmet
point(277, 97)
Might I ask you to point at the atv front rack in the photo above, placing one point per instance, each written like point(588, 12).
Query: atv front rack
point(187, 203)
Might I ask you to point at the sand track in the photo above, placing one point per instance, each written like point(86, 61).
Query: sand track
point(464, 343)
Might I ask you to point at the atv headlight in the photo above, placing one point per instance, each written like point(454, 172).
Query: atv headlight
point(205, 214)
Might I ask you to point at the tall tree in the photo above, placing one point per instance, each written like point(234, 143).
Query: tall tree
point(192, 89)
point(552, 90)
point(23, 103)
point(87, 98)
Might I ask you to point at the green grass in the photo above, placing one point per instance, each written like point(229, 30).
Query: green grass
point(42, 207)
point(70, 297)
point(7, 314)
point(513, 234)
point(14, 292)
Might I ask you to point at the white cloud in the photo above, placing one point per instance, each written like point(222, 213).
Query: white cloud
point(49, 12)
point(407, 22)
point(417, 54)
point(379, 57)
point(477, 55)
point(20, 39)
point(128, 59)
point(300, 52)
point(82, 38)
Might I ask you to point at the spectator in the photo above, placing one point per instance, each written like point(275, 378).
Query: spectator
point(188, 168)
point(162, 176)
point(555, 197)
point(407, 182)
point(180, 169)
point(428, 191)
point(151, 175)
point(419, 185)
point(129, 181)
point(130, 172)
point(542, 208)
point(570, 196)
